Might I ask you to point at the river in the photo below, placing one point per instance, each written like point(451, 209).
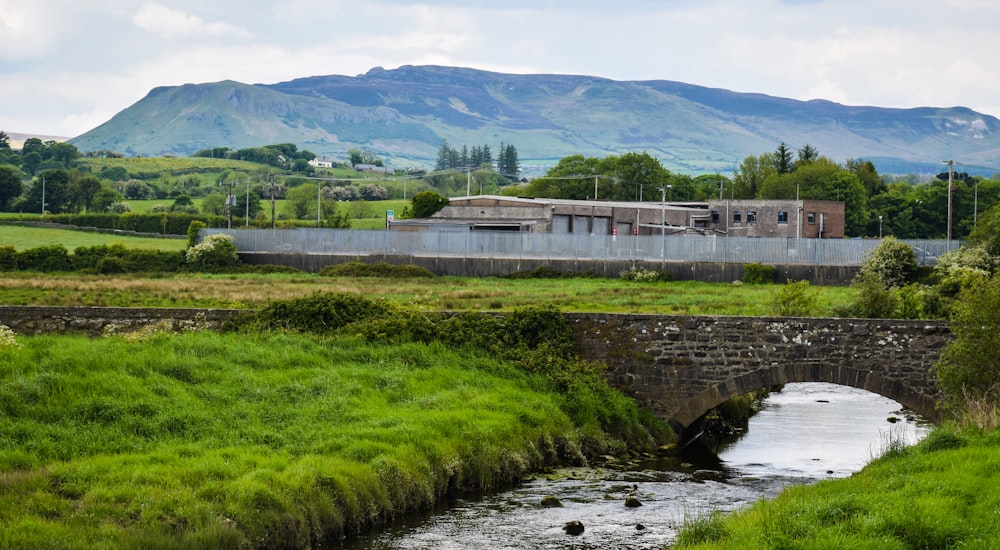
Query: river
point(805, 433)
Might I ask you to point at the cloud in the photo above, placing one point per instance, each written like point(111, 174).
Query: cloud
point(168, 22)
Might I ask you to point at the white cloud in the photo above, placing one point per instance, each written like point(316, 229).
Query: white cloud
point(169, 22)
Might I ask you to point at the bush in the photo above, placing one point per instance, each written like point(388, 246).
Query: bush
point(968, 369)
point(215, 253)
point(874, 301)
point(891, 264)
point(378, 269)
point(319, 313)
point(548, 272)
point(759, 274)
point(641, 275)
point(427, 203)
point(192, 232)
point(45, 258)
point(794, 300)
point(8, 258)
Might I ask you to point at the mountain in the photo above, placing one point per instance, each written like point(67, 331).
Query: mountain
point(404, 115)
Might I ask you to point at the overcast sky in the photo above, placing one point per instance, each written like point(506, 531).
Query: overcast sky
point(67, 66)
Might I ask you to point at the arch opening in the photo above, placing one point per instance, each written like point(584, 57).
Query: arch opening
point(697, 405)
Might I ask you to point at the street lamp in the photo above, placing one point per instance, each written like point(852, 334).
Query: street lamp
point(880, 226)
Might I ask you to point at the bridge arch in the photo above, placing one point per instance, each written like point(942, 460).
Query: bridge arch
point(695, 406)
point(680, 367)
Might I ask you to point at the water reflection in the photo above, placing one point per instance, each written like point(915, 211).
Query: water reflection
point(816, 430)
point(805, 433)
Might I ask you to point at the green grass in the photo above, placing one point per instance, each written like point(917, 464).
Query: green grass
point(24, 237)
point(929, 496)
point(206, 440)
point(436, 294)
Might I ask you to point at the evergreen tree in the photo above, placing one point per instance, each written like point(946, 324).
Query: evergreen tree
point(783, 159)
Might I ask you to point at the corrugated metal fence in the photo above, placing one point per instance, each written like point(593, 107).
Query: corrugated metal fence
point(501, 244)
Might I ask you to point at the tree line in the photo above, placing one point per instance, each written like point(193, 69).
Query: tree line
point(479, 156)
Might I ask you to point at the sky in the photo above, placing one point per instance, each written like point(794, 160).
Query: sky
point(67, 66)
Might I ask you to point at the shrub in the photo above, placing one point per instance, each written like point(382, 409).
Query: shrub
point(319, 313)
point(45, 258)
point(794, 300)
point(641, 275)
point(891, 264)
point(956, 268)
point(548, 272)
point(215, 253)
point(378, 269)
point(8, 339)
point(8, 258)
point(427, 203)
point(192, 232)
point(968, 369)
point(759, 274)
point(874, 301)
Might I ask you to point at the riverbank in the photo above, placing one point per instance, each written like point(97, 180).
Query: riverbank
point(941, 493)
point(271, 440)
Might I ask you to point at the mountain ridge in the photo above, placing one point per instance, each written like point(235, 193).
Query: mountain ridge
point(405, 114)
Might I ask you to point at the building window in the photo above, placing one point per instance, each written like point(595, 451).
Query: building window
point(715, 216)
point(782, 217)
point(811, 218)
point(737, 216)
point(751, 216)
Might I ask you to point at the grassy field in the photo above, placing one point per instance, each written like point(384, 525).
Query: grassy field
point(214, 441)
point(440, 293)
point(24, 237)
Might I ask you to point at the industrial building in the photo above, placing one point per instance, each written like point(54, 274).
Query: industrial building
point(806, 219)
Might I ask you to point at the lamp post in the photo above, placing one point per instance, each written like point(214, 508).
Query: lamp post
point(663, 219)
point(880, 226)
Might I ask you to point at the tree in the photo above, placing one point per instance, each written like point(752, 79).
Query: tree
point(137, 190)
point(750, 176)
point(103, 199)
point(82, 191)
point(54, 185)
point(4, 140)
point(303, 200)
point(639, 177)
point(807, 154)
point(10, 185)
point(783, 159)
point(64, 153)
point(426, 203)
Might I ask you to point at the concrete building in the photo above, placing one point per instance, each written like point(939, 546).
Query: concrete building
point(806, 219)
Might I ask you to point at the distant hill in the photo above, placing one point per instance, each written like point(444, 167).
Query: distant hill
point(17, 139)
point(406, 113)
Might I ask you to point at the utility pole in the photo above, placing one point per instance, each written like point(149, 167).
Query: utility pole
point(951, 179)
point(43, 196)
point(248, 204)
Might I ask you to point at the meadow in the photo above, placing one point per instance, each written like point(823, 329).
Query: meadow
point(271, 440)
point(24, 237)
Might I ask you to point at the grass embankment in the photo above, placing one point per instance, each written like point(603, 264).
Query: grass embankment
point(204, 440)
point(942, 493)
point(435, 294)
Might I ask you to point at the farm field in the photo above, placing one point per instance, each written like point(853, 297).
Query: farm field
point(24, 237)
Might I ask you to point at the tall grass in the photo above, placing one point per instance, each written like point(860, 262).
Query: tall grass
point(942, 493)
point(205, 440)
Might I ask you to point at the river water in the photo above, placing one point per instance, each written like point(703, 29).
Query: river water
point(805, 433)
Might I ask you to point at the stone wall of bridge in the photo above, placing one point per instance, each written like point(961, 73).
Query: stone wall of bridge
point(682, 366)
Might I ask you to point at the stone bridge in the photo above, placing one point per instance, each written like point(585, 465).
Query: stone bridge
point(680, 367)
